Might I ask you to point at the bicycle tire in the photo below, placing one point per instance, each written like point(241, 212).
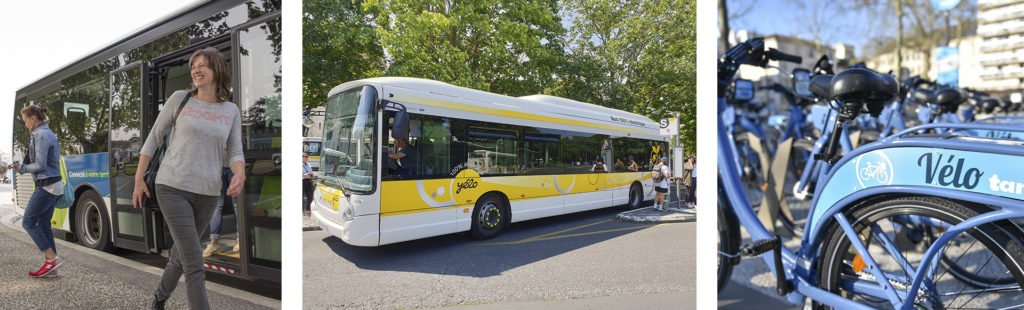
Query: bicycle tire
point(837, 247)
point(728, 239)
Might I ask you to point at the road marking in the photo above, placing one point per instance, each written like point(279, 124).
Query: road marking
point(557, 234)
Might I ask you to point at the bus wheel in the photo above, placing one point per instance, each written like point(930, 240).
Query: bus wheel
point(636, 197)
point(489, 217)
point(92, 225)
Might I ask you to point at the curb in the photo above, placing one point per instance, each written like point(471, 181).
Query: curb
point(309, 224)
point(672, 215)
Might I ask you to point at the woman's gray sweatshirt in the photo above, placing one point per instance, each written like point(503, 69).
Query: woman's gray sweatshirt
point(206, 136)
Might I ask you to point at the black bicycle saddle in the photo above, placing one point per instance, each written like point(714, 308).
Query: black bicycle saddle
point(946, 99)
point(821, 86)
point(872, 89)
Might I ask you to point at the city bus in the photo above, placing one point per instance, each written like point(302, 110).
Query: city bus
point(311, 147)
point(105, 103)
point(408, 158)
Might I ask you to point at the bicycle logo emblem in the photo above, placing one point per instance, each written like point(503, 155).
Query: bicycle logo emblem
point(874, 168)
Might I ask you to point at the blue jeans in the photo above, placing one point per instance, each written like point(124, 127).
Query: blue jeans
point(226, 176)
point(37, 219)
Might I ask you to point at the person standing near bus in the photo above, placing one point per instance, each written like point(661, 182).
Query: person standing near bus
point(207, 129)
point(218, 212)
point(43, 161)
point(661, 183)
point(307, 184)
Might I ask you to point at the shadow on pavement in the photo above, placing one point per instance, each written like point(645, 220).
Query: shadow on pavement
point(457, 254)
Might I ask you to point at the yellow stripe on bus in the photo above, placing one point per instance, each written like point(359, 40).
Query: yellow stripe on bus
point(463, 191)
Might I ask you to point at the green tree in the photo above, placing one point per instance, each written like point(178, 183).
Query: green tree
point(501, 46)
point(637, 56)
point(339, 45)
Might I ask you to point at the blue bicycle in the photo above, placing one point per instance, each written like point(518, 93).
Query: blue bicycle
point(862, 247)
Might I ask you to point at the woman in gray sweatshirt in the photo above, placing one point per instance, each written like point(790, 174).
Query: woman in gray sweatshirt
point(43, 161)
point(207, 130)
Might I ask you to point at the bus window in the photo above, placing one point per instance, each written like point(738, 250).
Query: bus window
point(492, 151)
point(580, 152)
point(541, 153)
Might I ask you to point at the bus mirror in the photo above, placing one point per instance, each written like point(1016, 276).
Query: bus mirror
point(400, 131)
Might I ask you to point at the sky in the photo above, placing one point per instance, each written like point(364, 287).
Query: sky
point(42, 36)
point(788, 17)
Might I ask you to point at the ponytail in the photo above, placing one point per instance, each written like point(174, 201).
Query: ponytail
point(36, 111)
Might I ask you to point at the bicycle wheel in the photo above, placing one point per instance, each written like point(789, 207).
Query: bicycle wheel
point(728, 240)
point(793, 214)
point(992, 251)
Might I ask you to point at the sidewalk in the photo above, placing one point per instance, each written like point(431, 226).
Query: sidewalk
point(91, 279)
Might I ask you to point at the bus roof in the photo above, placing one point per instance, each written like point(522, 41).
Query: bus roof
point(533, 104)
point(133, 39)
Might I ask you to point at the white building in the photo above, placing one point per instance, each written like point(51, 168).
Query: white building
point(1001, 50)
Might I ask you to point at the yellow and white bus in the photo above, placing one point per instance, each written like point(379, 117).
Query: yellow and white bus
point(474, 161)
point(311, 147)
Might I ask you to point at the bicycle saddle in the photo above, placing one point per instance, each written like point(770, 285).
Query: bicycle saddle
point(922, 95)
point(821, 86)
point(872, 89)
point(946, 99)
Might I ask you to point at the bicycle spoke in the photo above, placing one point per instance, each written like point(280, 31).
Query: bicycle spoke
point(890, 247)
point(936, 280)
point(979, 269)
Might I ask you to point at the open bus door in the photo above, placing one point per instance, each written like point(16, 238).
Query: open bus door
point(172, 73)
point(132, 228)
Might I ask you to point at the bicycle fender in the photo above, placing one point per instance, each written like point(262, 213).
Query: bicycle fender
point(952, 173)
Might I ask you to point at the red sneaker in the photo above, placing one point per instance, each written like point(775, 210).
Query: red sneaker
point(50, 265)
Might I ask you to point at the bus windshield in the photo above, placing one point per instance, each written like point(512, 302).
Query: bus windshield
point(348, 150)
point(312, 148)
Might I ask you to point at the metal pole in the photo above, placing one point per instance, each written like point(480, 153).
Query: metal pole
point(899, 40)
point(678, 193)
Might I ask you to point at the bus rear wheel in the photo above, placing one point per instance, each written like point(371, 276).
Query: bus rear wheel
point(636, 197)
point(489, 217)
point(92, 225)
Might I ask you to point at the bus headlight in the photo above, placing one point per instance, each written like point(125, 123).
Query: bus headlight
point(348, 214)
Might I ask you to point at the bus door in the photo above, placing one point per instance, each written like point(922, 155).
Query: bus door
point(171, 73)
point(131, 227)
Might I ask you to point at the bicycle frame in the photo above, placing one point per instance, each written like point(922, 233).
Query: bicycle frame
point(836, 194)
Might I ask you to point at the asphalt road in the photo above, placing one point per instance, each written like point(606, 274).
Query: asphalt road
point(581, 261)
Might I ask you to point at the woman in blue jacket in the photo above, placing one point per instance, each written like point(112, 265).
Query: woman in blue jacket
point(43, 161)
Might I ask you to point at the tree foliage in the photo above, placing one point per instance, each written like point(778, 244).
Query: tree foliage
point(637, 56)
point(502, 46)
point(339, 45)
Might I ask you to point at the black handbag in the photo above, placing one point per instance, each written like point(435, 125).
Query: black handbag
point(154, 163)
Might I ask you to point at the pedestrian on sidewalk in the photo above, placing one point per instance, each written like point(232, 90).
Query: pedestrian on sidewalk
point(691, 200)
point(42, 159)
point(205, 135)
point(661, 175)
point(307, 184)
point(688, 180)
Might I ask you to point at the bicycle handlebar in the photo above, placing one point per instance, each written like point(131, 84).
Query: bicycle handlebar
point(775, 54)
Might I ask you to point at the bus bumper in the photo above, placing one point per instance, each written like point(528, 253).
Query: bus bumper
point(361, 231)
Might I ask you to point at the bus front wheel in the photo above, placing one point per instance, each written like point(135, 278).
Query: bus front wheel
point(489, 217)
point(92, 225)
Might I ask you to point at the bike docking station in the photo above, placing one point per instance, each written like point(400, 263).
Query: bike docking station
point(890, 220)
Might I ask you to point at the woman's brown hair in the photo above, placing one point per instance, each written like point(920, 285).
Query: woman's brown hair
point(221, 72)
point(36, 111)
